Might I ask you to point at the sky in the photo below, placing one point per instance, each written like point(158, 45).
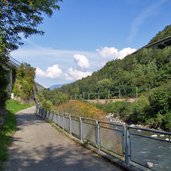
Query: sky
point(85, 34)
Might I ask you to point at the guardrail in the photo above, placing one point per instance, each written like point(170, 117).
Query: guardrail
point(14, 62)
point(134, 148)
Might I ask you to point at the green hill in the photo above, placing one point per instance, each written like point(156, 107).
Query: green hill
point(135, 74)
point(145, 74)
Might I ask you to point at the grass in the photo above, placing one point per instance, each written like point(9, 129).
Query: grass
point(9, 127)
point(15, 106)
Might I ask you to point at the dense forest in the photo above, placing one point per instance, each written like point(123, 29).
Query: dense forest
point(145, 74)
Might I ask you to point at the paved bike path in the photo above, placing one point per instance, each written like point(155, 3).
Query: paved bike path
point(37, 146)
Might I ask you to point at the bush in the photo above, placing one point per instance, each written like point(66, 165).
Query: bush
point(79, 108)
point(156, 122)
point(159, 100)
point(121, 109)
point(47, 105)
point(3, 86)
point(167, 121)
point(139, 110)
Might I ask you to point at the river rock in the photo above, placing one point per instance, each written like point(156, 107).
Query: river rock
point(154, 135)
point(150, 164)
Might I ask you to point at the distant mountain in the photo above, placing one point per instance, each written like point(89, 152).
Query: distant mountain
point(55, 86)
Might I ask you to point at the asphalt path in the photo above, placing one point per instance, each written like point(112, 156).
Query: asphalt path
point(37, 146)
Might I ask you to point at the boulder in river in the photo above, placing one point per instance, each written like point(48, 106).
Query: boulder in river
point(150, 164)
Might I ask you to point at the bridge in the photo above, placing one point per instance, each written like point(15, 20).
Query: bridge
point(10, 65)
point(157, 45)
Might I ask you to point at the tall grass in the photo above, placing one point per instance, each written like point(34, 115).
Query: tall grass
point(9, 127)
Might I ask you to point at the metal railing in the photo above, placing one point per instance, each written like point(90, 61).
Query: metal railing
point(140, 148)
point(14, 62)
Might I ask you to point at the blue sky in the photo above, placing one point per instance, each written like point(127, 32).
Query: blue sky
point(81, 37)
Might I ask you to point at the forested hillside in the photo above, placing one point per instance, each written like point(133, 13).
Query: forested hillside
point(145, 74)
point(135, 74)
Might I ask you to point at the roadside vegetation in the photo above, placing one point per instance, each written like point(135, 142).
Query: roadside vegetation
point(80, 108)
point(9, 127)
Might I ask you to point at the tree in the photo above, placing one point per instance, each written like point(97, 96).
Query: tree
point(159, 100)
point(103, 87)
point(21, 18)
point(24, 84)
point(3, 86)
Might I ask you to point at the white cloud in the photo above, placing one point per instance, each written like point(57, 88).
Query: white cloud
point(82, 61)
point(51, 72)
point(107, 52)
point(124, 52)
point(114, 53)
point(74, 74)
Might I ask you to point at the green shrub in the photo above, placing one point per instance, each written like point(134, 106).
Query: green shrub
point(139, 110)
point(159, 100)
point(47, 105)
point(167, 120)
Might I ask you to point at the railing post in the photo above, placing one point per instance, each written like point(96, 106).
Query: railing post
point(97, 135)
point(38, 109)
point(57, 119)
point(127, 146)
point(43, 114)
point(47, 115)
point(63, 121)
point(52, 115)
point(70, 127)
point(81, 129)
